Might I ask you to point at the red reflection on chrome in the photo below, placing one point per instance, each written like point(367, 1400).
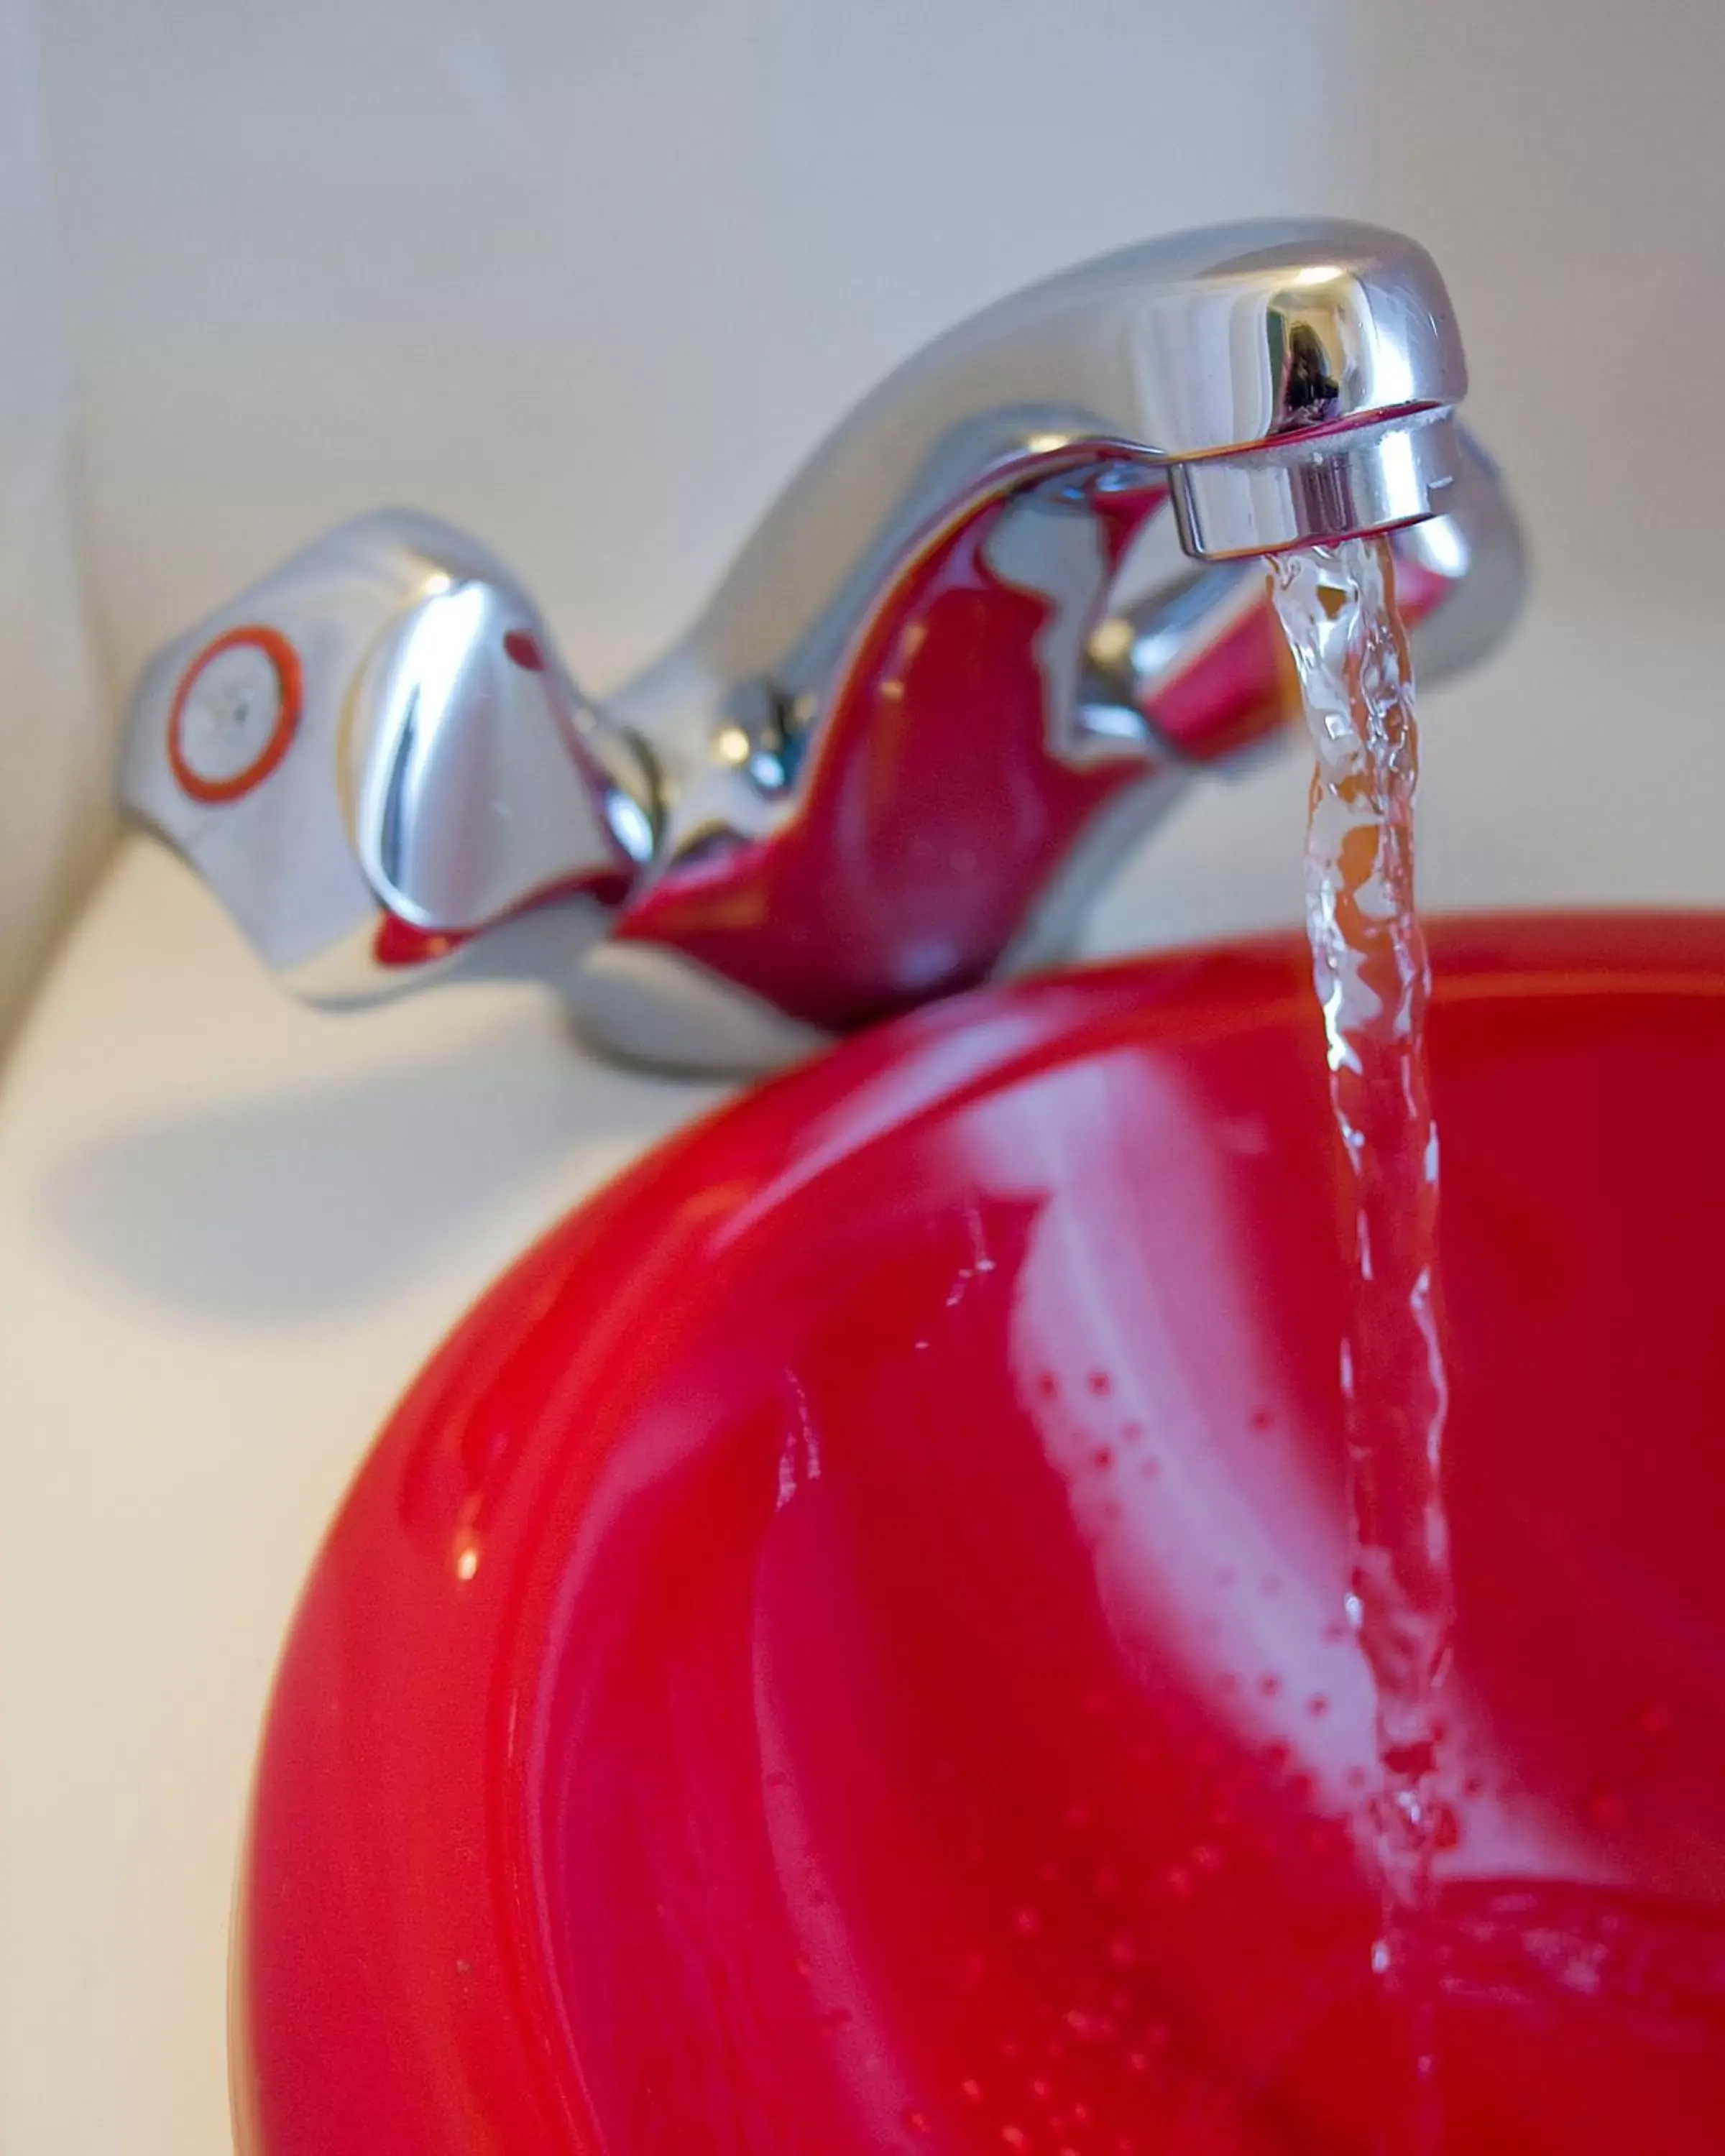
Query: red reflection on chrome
point(913, 791)
point(909, 794)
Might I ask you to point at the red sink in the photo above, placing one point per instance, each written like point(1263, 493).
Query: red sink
point(840, 1652)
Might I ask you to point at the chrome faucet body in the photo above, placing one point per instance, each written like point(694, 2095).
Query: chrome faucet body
point(992, 628)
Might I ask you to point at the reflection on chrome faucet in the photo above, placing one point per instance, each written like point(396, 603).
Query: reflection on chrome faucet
point(983, 640)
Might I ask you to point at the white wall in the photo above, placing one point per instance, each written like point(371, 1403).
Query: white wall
point(53, 820)
point(588, 275)
point(1565, 162)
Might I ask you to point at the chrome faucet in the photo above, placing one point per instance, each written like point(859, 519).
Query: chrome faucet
point(997, 623)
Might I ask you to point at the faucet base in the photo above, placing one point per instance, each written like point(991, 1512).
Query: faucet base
point(647, 1004)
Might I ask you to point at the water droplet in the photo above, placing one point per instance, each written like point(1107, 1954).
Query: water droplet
point(1270, 1684)
point(1102, 1456)
point(1138, 2063)
point(1014, 2137)
point(1100, 1383)
point(1048, 1385)
point(1042, 2088)
point(971, 2090)
point(1080, 2115)
point(1318, 1704)
point(916, 2121)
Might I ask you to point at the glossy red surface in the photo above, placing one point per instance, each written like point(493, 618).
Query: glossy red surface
point(841, 1652)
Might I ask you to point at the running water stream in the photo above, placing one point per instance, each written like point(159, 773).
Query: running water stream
point(1373, 980)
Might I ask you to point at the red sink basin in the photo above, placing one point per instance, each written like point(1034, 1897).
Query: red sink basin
point(840, 1652)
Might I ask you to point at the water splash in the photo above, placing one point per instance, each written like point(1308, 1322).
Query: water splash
point(1374, 981)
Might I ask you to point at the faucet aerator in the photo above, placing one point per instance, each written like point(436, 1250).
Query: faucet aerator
point(1305, 490)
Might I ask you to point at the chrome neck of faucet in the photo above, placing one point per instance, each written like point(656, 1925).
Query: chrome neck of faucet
point(1291, 378)
point(980, 640)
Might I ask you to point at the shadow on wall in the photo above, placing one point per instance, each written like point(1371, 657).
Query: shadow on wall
point(55, 732)
point(278, 1209)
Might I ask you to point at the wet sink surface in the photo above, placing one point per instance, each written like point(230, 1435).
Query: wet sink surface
point(841, 1651)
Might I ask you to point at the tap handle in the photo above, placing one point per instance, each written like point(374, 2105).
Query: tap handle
point(376, 753)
